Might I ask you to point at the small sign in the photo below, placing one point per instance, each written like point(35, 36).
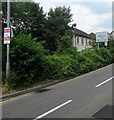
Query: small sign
point(6, 35)
point(102, 37)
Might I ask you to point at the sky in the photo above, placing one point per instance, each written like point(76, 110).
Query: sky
point(89, 15)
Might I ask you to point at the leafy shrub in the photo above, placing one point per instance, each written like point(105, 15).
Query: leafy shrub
point(3, 78)
point(64, 43)
point(98, 61)
point(86, 64)
point(111, 49)
point(26, 57)
point(12, 80)
point(30, 62)
point(105, 54)
point(112, 54)
point(58, 66)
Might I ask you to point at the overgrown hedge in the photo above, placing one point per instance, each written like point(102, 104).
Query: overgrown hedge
point(25, 61)
point(30, 62)
point(58, 66)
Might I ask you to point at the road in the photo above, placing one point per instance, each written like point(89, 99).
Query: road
point(86, 96)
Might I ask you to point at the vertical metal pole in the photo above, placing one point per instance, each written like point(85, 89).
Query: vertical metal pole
point(8, 46)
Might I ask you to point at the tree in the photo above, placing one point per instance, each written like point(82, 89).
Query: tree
point(93, 42)
point(26, 56)
point(27, 17)
point(65, 42)
point(57, 24)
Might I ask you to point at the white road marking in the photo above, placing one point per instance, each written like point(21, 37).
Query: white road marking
point(104, 82)
point(54, 109)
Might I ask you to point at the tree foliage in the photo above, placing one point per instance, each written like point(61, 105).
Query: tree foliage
point(57, 24)
point(25, 58)
point(30, 18)
point(27, 17)
point(31, 62)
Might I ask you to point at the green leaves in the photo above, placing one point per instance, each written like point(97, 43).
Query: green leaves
point(64, 43)
point(25, 58)
point(57, 26)
point(57, 66)
point(30, 62)
point(27, 17)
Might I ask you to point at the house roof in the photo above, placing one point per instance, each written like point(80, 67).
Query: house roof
point(92, 35)
point(81, 33)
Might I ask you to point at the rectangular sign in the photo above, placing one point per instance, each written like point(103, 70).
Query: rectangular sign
point(6, 35)
point(102, 37)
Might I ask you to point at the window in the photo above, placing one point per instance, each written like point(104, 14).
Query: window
point(77, 40)
point(82, 41)
point(86, 41)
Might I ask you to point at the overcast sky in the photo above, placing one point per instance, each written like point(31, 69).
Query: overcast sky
point(89, 16)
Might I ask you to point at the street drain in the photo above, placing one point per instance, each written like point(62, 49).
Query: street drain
point(42, 90)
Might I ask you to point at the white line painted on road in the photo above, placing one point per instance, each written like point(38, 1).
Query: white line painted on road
point(104, 82)
point(54, 109)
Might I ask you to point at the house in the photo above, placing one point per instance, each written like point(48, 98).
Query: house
point(81, 39)
point(92, 35)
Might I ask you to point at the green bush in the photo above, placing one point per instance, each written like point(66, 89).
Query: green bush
point(64, 43)
point(85, 64)
point(111, 49)
point(112, 54)
point(3, 78)
point(30, 62)
point(105, 54)
point(58, 66)
point(26, 57)
point(12, 80)
point(98, 61)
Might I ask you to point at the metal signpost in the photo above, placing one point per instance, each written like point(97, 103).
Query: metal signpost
point(7, 38)
point(101, 37)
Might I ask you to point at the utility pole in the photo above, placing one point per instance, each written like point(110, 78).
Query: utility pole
point(8, 45)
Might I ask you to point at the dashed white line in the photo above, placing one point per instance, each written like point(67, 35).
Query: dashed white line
point(104, 82)
point(52, 110)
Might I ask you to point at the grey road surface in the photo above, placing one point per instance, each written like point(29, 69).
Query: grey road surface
point(81, 97)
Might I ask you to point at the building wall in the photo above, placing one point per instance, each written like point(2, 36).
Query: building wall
point(113, 35)
point(81, 43)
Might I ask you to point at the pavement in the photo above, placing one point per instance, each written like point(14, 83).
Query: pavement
point(87, 96)
point(37, 88)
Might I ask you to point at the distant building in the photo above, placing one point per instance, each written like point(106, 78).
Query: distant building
point(81, 39)
point(92, 35)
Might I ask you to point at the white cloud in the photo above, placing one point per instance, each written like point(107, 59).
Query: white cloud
point(88, 21)
point(99, 29)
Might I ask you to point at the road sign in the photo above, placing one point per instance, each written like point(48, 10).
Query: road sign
point(6, 35)
point(102, 37)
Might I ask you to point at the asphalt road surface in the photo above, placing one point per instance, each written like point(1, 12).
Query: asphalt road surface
point(87, 96)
